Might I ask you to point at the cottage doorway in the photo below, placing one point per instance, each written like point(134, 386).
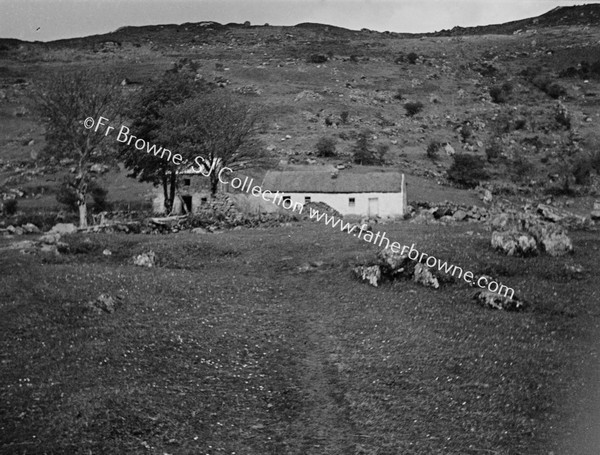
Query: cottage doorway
point(373, 209)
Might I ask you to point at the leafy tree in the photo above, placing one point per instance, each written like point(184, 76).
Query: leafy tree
point(467, 170)
point(326, 147)
point(147, 115)
point(433, 150)
point(215, 130)
point(363, 153)
point(64, 101)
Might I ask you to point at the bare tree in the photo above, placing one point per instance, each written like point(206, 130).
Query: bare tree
point(64, 102)
point(218, 130)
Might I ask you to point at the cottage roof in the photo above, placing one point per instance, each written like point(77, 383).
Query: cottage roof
point(323, 182)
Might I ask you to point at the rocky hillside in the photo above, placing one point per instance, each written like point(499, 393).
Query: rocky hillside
point(521, 97)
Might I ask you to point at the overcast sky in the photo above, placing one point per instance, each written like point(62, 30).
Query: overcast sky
point(46, 20)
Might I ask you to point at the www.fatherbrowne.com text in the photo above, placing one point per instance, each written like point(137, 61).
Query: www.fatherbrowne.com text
point(206, 168)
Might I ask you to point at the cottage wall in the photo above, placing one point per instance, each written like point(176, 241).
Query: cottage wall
point(386, 204)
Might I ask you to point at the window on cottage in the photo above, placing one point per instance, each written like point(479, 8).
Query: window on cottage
point(187, 182)
point(351, 202)
point(306, 199)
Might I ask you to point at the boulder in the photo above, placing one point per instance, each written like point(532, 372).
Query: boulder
point(372, 274)
point(459, 215)
point(104, 303)
point(595, 215)
point(495, 301)
point(500, 221)
point(514, 243)
point(487, 196)
point(391, 261)
point(423, 275)
point(549, 213)
point(64, 228)
point(145, 259)
point(557, 244)
point(199, 230)
point(50, 238)
point(31, 228)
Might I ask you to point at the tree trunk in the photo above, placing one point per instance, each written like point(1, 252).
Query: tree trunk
point(214, 184)
point(165, 184)
point(82, 215)
point(173, 188)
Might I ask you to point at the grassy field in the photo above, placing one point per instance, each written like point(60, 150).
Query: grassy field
point(236, 344)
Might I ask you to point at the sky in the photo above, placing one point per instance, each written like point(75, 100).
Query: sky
point(46, 20)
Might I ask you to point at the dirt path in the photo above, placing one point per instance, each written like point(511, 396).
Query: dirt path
point(324, 426)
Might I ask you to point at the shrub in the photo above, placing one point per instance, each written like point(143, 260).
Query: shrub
point(413, 108)
point(433, 149)
point(555, 90)
point(10, 207)
point(99, 194)
point(493, 151)
point(595, 161)
point(498, 95)
point(582, 169)
point(66, 195)
point(344, 116)
point(398, 95)
point(317, 58)
point(412, 58)
point(522, 167)
point(466, 132)
point(363, 154)
point(467, 170)
point(326, 147)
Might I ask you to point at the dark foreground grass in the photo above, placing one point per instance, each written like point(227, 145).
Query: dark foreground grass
point(233, 345)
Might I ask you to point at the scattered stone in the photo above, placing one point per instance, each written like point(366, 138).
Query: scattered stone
point(31, 228)
point(424, 276)
point(459, 215)
point(50, 238)
point(557, 244)
point(391, 261)
point(107, 252)
point(199, 230)
point(487, 196)
point(500, 221)
point(64, 228)
point(514, 243)
point(575, 271)
point(549, 213)
point(145, 259)
point(104, 303)
point(372, 274)
point(495, 301)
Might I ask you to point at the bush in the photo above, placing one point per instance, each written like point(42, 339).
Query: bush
point(66, 195)
point(412, 58)
point(493, 151)
point(10, 207)
point(501, 93)
point(363, 154)
point(555, 90)
point(344, 116)
point(413, 108)
point(433, 149)
point(467, 170)
point(99, 198)
point(522, 167)
point(582, 169)
point(326, 147)
point(317, 58)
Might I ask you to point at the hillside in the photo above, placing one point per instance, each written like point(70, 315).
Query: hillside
point(363, 82)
